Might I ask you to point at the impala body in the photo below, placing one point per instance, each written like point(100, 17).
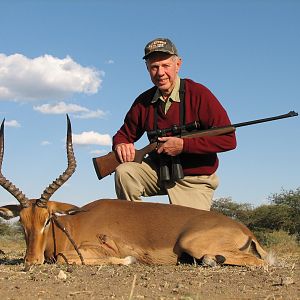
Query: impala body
point(122, 232)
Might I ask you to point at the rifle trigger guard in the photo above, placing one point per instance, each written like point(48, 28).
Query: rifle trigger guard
point(157, 144)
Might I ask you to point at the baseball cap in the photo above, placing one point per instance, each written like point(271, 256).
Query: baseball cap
point(160, 45)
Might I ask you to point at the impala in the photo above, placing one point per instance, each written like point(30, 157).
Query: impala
point(122, 232)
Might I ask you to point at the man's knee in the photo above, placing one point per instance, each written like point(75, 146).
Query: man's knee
point(120, 171)
point(125, 171)
point(126, 184)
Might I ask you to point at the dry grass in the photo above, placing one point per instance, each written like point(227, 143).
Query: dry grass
point(285, 247)
point(13, 247)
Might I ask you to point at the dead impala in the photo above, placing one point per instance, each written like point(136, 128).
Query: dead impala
point(121, 232)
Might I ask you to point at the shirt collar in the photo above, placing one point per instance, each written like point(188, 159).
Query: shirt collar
point(174, 94)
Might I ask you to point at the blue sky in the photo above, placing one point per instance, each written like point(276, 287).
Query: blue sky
point(84, 58)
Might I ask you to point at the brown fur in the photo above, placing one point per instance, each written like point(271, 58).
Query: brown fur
point(110, 231)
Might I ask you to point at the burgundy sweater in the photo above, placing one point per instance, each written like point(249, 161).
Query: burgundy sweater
point(199, 156)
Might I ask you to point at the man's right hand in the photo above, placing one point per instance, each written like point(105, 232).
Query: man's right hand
point(126, 152)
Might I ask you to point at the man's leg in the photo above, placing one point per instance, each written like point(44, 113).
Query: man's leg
point(193, 191)
point(133, 180)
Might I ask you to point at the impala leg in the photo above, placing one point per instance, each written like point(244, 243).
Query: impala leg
point(103, 253)
point(238, 258)
point(93, 254)
point(215, 249)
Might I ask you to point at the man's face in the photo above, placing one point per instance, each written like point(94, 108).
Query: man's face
point(163, 69)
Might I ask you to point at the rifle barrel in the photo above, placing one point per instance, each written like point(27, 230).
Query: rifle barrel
point(288, 115)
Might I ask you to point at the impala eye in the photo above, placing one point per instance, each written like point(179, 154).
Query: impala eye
point(48, 222)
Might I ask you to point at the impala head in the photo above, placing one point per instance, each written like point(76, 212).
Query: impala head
point(35, 214)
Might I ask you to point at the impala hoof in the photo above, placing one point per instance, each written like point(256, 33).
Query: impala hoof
point(27, 267)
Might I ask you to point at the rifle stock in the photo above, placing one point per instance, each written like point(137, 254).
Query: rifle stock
point(107, 164)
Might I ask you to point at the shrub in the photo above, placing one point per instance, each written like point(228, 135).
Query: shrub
point(13, 230)
point(272, 217)
point(240, 212)
point(283, 212)
point(290, 201)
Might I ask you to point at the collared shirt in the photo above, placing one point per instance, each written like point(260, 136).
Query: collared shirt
point(174, 97)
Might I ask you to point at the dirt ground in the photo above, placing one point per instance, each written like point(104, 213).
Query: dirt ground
point(281, 281)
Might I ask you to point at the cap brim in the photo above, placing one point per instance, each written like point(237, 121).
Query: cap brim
point(155, 51)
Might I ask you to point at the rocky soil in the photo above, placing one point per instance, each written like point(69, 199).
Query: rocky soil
point(281, 281)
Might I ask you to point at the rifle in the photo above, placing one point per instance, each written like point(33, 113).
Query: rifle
point(107, 164)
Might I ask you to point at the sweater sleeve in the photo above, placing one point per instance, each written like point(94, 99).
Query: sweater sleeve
point(131, 130)
point(135, 122)
point(211, 114)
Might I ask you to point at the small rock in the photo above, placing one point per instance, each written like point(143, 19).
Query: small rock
point(62, 275)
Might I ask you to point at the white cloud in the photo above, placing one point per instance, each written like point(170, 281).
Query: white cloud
point(92, 114)
point(45, 77)
point(110, 62)
point(45, 143)
point(63, 108)
point(60, 108)
point(91, 138)
point(12, 123)
point(98, 152)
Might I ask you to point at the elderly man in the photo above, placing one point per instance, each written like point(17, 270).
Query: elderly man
point(171, 101)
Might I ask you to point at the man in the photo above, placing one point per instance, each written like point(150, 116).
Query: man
point(172, 101)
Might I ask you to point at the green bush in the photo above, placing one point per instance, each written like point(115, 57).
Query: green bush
point(13, 230)
point(272, 217)
point(282, 214)
point(290, 201)
point(240, 212)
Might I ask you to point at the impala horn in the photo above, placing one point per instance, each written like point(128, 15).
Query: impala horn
point(58, 182)
point(6, 184)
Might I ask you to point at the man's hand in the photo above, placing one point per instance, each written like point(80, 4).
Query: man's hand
point(170, 145)
point(126, 152)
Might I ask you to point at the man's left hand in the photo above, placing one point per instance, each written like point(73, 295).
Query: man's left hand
point(170, 145)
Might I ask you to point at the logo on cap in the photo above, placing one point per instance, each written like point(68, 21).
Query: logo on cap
point(160, 45)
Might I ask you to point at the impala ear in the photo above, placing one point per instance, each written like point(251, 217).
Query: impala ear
point(62, 208)
point(10, 211)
